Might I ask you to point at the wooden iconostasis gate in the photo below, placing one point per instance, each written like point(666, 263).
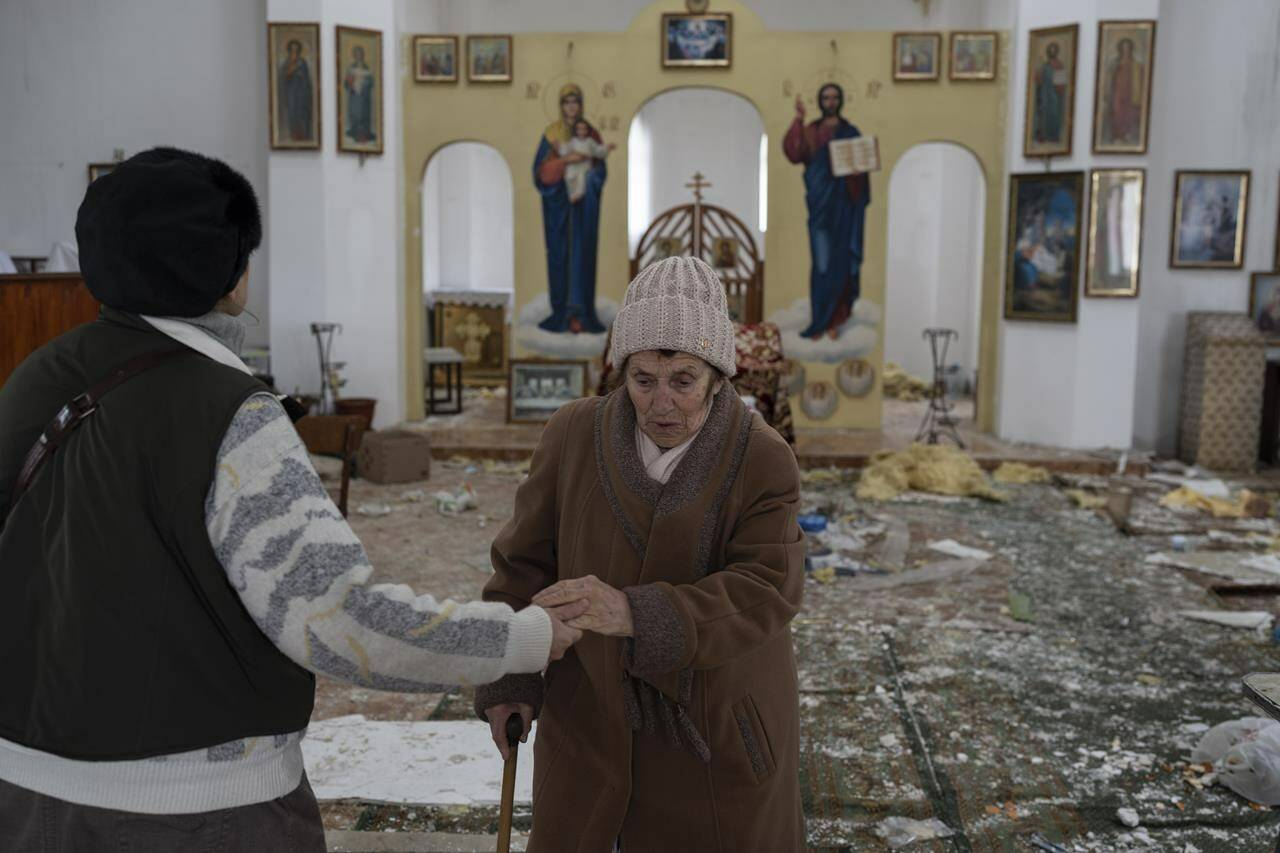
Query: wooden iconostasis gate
point(718, 237)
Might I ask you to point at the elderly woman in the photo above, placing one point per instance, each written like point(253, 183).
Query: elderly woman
point(670, 509)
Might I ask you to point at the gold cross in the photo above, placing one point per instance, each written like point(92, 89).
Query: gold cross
point(697, 186)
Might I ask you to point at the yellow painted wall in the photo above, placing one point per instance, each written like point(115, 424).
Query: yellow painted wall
point(769, 68)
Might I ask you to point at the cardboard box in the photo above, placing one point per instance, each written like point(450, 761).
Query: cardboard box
point(394, 456)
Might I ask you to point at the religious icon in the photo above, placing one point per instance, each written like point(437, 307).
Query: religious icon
point(489, 59)
point(571, 213)
point(837, 213)
point(1051, 92)
point(666, 247)
point(973, 56)
point(1115, 232)
point(479, 333)
point(1209, 210)
point(1122, 88)
point(855, 377)
point(97, 170)
point(915, 56)
point(818, 400)
point(536, 389)
point(435, 59)
point(359, 90)
point(293, 86)
point(1043, 263)
point(1264, 304)
point(724, 250)
point(700, 41)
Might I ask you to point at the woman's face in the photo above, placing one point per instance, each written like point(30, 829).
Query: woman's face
point(571, 107)
point(671, 394)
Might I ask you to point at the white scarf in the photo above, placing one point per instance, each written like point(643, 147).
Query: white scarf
point(660, 464)
point(199, 340)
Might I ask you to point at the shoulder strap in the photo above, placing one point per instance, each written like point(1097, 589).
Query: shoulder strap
point(74, 413)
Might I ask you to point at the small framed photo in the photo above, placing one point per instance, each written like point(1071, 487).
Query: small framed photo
point(1209, 212)
point(97, 170)
point(360, 89)
point(1115, 232)
point(916, 56)
point(1043, 261)
point(489, 59)
point(667, 247)
point(1051, 91)
point(974, 56)
point(697, 41)
point(536, 389)
point(1122, 86)
point(293, 85)
point(435, 59)
point(724, 251)
point(1264, 304)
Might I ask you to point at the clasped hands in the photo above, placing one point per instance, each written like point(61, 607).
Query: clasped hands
point(575, 605)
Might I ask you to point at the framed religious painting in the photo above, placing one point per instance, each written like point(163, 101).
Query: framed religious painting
point(697, 41)
point(489, 59)
point(1043, 262)
point(435, 59)
point(974, 56)
point(916, 56)
point(1209, 212)
point(1264, 304)
point(536, 389)
point(724, 251)
point(293, 85)
point(1115, 232)
point(97, 170)
point(479, 332)
point(1051, 91)
point(360, 87)
point(1122, 86)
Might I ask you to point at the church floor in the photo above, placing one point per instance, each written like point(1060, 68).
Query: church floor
point(1037, 691)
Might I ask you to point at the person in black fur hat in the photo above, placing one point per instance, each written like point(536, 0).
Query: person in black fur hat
point(175, 572)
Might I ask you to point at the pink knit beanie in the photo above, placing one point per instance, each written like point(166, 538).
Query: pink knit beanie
point(677, 304)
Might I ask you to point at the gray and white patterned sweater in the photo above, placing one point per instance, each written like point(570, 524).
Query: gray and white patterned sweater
point(303, 577)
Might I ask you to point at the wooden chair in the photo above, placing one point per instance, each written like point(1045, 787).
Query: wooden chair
point(334, 435)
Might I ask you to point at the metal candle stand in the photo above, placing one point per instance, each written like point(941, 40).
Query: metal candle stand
point(328, 369)
point(937, 418)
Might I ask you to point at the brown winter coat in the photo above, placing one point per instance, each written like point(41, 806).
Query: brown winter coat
point(686, 736)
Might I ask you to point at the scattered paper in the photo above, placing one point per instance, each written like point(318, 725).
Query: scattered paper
point(901, 831)
point(1230, 618)
point(952, 548)
point(374, 510)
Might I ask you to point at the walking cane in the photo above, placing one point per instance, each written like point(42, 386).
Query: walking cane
point(515, 728)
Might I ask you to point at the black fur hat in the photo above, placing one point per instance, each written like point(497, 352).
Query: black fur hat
point(167, 232)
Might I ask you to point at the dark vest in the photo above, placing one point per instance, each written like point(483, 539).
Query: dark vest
point(120, 634)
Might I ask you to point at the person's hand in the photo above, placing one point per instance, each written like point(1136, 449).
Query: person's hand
point(575, 157)
point(498, 716)
point(607, 612)
point(611, 146)
point(800, 107)
point(562, 635)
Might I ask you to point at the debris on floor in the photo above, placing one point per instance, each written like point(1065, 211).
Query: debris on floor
point(952, 548)
point(900, 385)
point(901, 831)
point(454, 503)
point(1255, 619)
point(374, 510)
point(1085, 500)
point(1015, 473)
point(1245, 754)
point(1246, 504)
point(936, 468)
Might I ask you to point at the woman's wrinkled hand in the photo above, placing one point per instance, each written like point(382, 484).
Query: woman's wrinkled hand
point(498, 716)
point(607, 612)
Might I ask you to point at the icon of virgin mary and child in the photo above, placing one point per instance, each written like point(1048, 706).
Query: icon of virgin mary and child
point(569, 172)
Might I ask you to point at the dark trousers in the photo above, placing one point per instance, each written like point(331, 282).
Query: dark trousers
point(34, 823)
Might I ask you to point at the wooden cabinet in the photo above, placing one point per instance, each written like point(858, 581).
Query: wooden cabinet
point(35, 309)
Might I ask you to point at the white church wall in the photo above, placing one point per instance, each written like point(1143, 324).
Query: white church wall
point(79, 80)
point(1071, 385)
point(936, 203)
point(704, 130)
point(1216, 106)
point(336, 230)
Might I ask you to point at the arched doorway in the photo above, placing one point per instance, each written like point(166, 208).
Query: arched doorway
point(468, 256)
point(933, 276)
point(719, 136)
